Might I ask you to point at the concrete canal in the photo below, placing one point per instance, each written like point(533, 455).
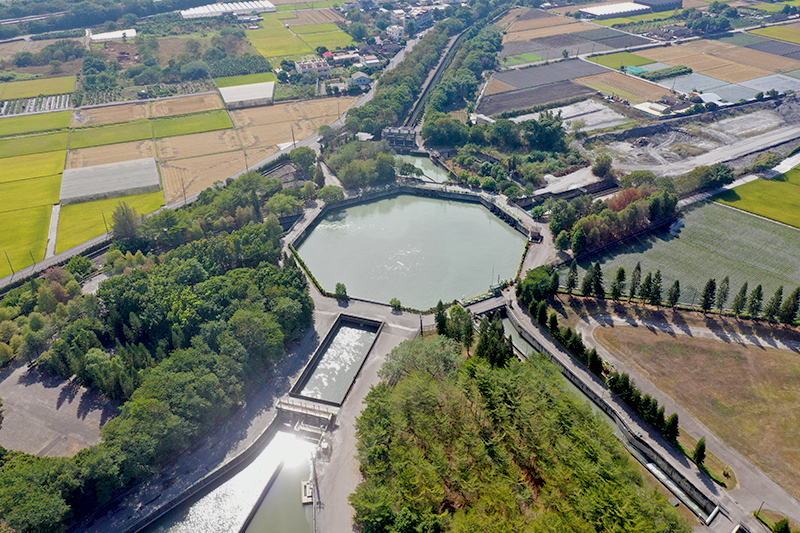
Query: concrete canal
point(416, 249)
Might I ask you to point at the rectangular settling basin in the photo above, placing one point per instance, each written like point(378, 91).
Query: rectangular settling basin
point(331, 371)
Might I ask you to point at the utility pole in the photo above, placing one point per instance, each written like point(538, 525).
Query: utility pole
point(184, 191)
point(294, 144)
point(32, 259)
point(14, 272)
point(104, 220)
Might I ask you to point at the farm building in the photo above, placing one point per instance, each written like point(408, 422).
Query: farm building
point(121, 35)
point(661, 5)
point(614, 10)
point(216, 10)
point(252, 95)
point(109, 181)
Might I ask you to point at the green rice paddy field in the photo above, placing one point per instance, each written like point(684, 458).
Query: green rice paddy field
point(620, 59)
point(217, 119)
point(32, 166)
point(775, 199)
point(32, 192)
point(315, 28)
point(31, 88)
point(136, 130)
point(274, 40)
point(715, 242)
point(33, 144)
point(331, 39)
point(30, 124)
point(80, 222)
point(782, 33)
point(521, 59)
point(24, 233)
point(246, 79)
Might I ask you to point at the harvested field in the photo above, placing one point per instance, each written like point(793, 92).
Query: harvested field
point(708, 46)
point(32, 123)
point(496, 86)
point(315, 110)
point(316, 16)
point(274, 134)
point(112, 114)
point(525, 98)
point(186, 124)
point(755, 58)
point(510, 17)
point(113, 153)
point(703, 62)
point(198, 144)
point(547, 74)
point(747, 395)
point(80, 222)
point(116, 133)
point(8, 50)
point(198, 173)
point(776, 47)
point(34, 144)
point(33, 192)
point(671, 55)
point(31, 166)
point(735, 73)
point(632, 89)
point(246, 79)
point(620, 59)
point(185, 104)
point(528, 35)
point(24, 232)
point(544, 22)
point(31, 88)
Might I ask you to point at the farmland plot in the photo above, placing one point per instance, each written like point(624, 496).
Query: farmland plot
point(185, 105)
point(112, 114)
point(29, 124)
point(198, 144)
point(117, 133)
point(24, 233)
point(31, 88)
point(715, 242)
point(774, 199)
point(32, 166)
point(33, 144)
point(113, 153)
point(186, 124)
point(32, 192)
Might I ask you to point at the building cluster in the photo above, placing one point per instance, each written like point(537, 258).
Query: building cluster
point(626, 9)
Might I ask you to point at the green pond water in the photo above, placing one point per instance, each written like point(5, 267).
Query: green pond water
point(431, 170)
point(419, 250)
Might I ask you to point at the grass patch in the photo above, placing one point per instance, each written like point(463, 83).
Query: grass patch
point(33, 192)
point(713, 467)
point(621, 59)
point(782, 33)
point(31, 88)
point(246, 79)
point(33, 123)
point(331, 40)
point(776, 200)
point(32, 166)
point(217, 119)
point(521, 59)
point(34, 144)
point(286, 15)
point(81, 222)
point(315, 28)
point(769, 8)
point(745, 394)
point(274, 40)
point(24, 233)
point(715, 242)
point(136, 130)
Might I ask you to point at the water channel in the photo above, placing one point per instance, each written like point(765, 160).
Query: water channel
point(419, 250)
point(431, 171)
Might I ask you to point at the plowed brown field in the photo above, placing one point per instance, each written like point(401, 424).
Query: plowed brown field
point(110, 114)
point(113, 153)
point(186, 104)
point(198, 144)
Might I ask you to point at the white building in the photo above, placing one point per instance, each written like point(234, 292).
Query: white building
point(395, 32)
point(252, 95)
point(398, 16)
point(121, 35)
point(370, 61)
point(319, 66)
point(614, 10)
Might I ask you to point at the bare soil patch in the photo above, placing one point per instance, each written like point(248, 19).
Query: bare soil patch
point(672, 55)
point(185, 104)
point(496, 86)
point(510, 17)
point(528, 35)
point(544, 22)
point(735, 73)
point(524, 98)
point(747, 395)
point(198, 144)
point(112, 153)
point(709, 46)
point(326, 110)
point(49, 416)
point(763, 60)
point(632, 89)
point(8, 50)
point(274, 134)
point(316, 110)
point(314, 16)
point(110, 114)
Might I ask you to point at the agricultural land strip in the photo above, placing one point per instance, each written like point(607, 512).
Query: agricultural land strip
point(185, 105)
point(99, 116)
point(18, 125)
point(775, 199)
point(782, 33)
point(32, 166)
point(632, 89)
point(246, 79)
point(112, 153)
point(80, 222)
point(196, 123)
point(621, 59)
point(33, 144)
point(524, 98)
point(24, 233)
point(31, 192)
point(31, 88)
point(117, 133)
point(274, 40)
point(198, 144)
point(547, 74)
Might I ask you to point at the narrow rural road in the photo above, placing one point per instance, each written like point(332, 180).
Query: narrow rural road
point(755, 487)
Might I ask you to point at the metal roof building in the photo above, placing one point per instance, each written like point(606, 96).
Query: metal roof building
point(215, 10)
point(252, 95)
point(109, 181)
point(614, 10)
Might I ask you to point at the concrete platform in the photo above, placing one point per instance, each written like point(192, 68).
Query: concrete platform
point(109, 181)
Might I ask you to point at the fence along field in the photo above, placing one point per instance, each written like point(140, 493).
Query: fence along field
point(777, 199)
point(715, 242)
